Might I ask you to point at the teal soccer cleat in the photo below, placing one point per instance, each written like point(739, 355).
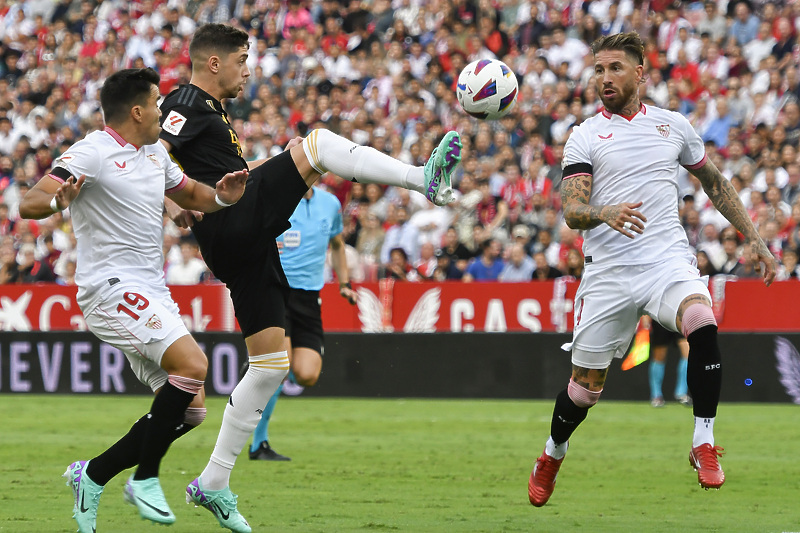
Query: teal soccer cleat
point(87, 496)
point(439, 169)
point(148, 497)
point(221, 503)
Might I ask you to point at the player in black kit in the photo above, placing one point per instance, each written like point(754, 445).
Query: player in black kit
point(239, 245)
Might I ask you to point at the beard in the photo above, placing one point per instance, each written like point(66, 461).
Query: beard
point(621, 98)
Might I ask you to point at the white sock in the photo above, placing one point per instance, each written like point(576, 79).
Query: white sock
point(703, 431)
point(328, 152)
point(556, 451)
point(242, 413)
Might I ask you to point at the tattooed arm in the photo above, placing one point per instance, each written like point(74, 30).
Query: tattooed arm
point(727, 201)
point(579, 214)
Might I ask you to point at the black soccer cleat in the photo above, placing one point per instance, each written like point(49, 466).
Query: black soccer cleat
point(266, 453)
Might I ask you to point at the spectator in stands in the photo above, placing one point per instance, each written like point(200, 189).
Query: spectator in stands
point(574, 264)
point(30, 269)
point(398, 267)
point(427, 261)
point(488, 265)
point(544, 271)
point(519, 267)
point(9, 270)
point(445, 268)
point(705, 266)
point(190, 269)
point(745, 25)
point(788, 269)
point(401, 235)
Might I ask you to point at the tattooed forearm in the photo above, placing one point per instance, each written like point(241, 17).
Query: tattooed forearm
point(575, 194)
point(725, 199)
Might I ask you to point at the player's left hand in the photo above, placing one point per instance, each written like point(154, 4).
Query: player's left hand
point(231, 187)
point(294, 142)
point(348, 294)
point(761, 254)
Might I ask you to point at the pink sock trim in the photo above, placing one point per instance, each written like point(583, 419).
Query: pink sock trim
point(580, 396)
point(192, 386)
point(695, 317)
point(194, 416)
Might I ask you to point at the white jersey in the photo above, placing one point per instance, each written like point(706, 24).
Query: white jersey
point(117, 216)
point(633, 159)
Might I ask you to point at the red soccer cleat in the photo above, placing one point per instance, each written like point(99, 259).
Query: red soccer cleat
point(543, 479)
point(704, 459)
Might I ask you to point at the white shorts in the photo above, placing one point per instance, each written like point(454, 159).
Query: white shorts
point(142, 322)
point(610, 300)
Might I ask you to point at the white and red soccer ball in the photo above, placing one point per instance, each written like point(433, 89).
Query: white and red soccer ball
point(487, 89)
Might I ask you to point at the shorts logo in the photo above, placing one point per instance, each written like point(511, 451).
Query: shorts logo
point(663, 129)
point(153, 322)
point(174, 123)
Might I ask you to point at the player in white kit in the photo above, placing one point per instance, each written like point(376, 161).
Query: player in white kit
point(620, 171)
point(114, 183)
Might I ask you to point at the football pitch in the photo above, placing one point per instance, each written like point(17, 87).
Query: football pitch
point(374, 465)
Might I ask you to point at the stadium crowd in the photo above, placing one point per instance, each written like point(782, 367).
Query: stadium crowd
point(383, 73)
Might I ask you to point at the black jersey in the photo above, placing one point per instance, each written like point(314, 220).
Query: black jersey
point(188, 112)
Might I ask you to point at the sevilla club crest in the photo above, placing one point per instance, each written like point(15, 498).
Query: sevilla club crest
point(663, 129)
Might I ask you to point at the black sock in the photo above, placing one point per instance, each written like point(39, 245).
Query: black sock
point(566, 417)
point(166, 418)
point(704, 371)
point(122, 455)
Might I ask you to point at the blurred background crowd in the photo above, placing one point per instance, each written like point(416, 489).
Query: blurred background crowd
point(383, 73)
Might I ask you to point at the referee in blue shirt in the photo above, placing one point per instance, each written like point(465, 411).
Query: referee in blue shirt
point(316, 224)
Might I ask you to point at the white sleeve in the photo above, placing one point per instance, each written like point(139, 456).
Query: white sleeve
point(576, 149)
point(693, 153)
point(81, 159)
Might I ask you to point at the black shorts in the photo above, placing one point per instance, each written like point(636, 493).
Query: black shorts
point(238, 243)
point(304, 319)
point(661, 336)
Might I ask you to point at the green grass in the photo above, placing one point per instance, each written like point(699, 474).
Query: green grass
point(421, 466)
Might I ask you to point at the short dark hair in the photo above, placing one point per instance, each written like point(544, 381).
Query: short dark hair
point(629, 42)
point(211, 39)
point(125, 89)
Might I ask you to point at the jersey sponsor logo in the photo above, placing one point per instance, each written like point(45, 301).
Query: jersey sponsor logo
point(174, 123)
point(154, 322)
point(605, 138)
point(663, 129)
point(291, 239)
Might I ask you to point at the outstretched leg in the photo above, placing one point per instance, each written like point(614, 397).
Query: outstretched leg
point(323, 151)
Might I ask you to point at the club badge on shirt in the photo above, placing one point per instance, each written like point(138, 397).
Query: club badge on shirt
point(173, 123)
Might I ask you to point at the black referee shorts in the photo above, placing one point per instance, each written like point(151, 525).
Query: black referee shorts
point(661, 336)
point(238, 243)
point(304, 319)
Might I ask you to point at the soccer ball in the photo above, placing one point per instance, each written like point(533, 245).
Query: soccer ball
point(487, 89)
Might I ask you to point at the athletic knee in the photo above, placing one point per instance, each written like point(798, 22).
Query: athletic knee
point(581, 396)
point(696, 317)
point(194, 416)
point(307, 379)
